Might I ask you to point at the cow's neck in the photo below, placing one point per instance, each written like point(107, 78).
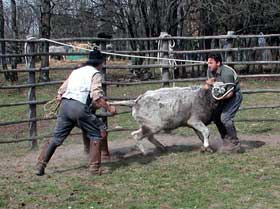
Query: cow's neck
point(206, 93)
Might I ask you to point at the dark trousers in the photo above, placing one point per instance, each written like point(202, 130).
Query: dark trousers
point(74, 113)
point(224, 116)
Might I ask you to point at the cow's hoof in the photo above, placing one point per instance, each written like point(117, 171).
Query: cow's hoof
point(206, 149)
point(141, 148)
point(162, 149)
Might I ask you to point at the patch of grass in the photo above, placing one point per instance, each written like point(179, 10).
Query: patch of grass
point(2, 202)
point(171, 180)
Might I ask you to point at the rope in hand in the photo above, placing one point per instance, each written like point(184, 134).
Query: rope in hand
point(51, 108)
point(219, 90)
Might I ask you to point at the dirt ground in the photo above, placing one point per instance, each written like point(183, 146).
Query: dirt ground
point(71, 156)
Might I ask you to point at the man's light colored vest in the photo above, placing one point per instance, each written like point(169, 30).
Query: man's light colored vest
point(79, 83)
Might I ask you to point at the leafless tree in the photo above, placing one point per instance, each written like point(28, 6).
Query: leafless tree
point(13, 75)
point(2, 36)
point(45, 31)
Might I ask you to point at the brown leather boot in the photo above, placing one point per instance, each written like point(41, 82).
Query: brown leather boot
point(230, 146)
point(44, 157)
point(231, 143)
point(95, 158)
point(105, 154)
point(86, 141)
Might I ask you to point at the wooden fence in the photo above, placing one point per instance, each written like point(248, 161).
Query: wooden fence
point(200, 53)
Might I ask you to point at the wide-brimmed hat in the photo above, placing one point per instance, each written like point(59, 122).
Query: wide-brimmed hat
point(95, 57)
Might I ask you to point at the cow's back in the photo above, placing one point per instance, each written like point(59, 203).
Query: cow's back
point(165, 108)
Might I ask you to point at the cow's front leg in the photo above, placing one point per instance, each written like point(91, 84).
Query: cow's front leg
point(203, 133)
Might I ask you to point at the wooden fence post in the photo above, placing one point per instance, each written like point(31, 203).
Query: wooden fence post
point(164, 45)
point(103, 72)
point(3, 59)
point(229, 55)
point(14, 61)
point(44, 74)
point(104, 142)
point(32, 97)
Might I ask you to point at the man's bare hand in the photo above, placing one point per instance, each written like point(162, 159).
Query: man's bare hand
point(210, 81)
point(112, 109)
point(58, 98)
point(103, 134)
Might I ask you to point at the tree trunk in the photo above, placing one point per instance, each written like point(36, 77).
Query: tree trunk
point(45, 29)
point(3, 44)
point(14, 60)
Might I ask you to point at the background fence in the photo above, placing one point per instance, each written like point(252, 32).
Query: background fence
point(253, 56)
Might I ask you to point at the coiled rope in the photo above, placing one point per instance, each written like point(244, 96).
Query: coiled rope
point(51, 108)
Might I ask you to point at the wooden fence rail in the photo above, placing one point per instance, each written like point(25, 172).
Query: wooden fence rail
point(150, 66)
point(5, 141)
point(127, 83)
point(24, 103)
point(239, 49)
point(94, 39)
point(100, 115)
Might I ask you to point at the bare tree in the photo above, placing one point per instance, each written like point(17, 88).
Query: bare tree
point(2, 36)
point(13, 75)
point(45, 31)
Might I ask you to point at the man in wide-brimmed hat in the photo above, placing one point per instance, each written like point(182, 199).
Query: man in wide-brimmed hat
point(82, 89)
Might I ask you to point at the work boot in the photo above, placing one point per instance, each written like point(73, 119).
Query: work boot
point(231, 142)
point(231, 146)
point(86, 141)
point(231, 131)
point(95, 158)
point(105, 154)
point(44, 157)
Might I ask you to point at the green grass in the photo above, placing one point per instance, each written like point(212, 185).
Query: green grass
point(172, 180)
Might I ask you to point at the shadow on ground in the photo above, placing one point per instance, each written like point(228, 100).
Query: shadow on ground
point(125, 156)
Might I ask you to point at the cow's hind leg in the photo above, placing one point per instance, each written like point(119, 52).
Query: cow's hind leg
point(203, 133)
point(155, 142)
point(147, 132)
point(138, 136)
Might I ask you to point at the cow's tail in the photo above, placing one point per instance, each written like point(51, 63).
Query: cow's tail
point(128, 103)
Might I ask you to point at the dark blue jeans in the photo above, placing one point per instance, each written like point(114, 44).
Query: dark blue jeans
point(225, 113)
point(74, 113)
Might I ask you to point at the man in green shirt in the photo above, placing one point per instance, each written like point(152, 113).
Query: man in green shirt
point(229, 103)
